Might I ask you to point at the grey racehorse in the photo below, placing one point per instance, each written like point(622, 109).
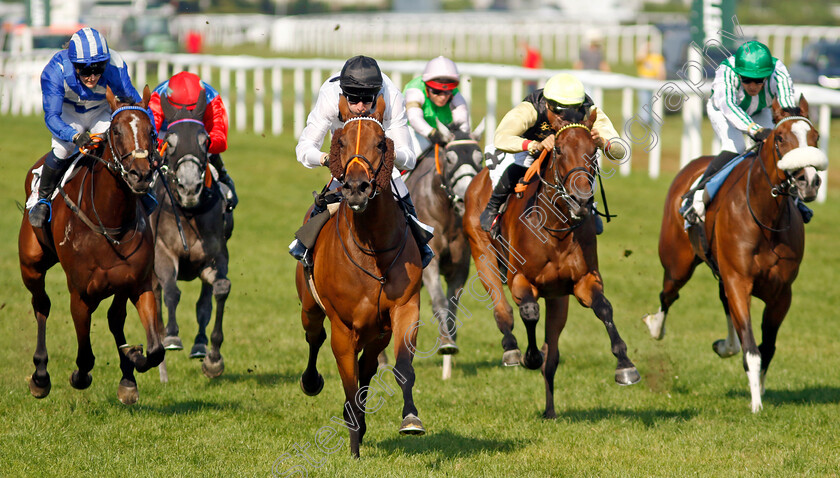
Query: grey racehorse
point(199, 248)
point(438, 185)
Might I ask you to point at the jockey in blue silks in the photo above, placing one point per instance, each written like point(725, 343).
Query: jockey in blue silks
point(73, 85)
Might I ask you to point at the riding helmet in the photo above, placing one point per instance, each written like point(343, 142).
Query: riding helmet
point(88, 46)
point(564, 89)
point(753, 60)
point(183, 90)
point(360, 76)
point(441, 74)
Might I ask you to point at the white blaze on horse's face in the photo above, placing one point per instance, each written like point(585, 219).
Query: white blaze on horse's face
point(135, 130)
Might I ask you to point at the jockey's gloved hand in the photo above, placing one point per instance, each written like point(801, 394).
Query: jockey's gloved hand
point(761, 134)
point(436, 136)
point(81, 139)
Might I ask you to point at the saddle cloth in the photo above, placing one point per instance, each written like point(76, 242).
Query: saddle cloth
point(36, 181)
point(713, 184)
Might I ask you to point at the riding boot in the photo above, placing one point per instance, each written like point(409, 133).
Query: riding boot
point(421, 232)
point(307, 234)
point(500, 193)
point(41, 213)
point(806, 212)
point(224, 178)
point(696, 212)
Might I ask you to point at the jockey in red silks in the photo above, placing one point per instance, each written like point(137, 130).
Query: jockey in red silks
point(181, 91)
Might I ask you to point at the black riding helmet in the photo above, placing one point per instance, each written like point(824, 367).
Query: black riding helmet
point(360, 78)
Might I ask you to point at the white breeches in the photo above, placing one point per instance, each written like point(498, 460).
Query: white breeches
point(521, 158)
point(732, 139)
point(95, 121)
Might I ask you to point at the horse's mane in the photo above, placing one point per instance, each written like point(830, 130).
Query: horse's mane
point(383, 180)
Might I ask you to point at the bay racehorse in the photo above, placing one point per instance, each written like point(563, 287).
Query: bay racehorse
point(99, 233)
point(200, 211)
point(546, 248)
point(366, 277)
point(756, 238)
point(439, 184)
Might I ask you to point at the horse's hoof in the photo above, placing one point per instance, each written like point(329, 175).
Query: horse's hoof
point(173, 342)
point(411, 425)
point(627, 376)
point(511, 358)
point(213, 369)
point(79, 382)
point(127, 392)
point(318, 388)
point(198, 351)
point(533, 361)
point(722, 350)
point(39, 391)
point(447, 346)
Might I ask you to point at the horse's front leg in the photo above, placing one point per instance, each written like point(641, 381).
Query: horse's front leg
point(203, 311)
point(166, 269)
point(731, 345)
point(344, 348)
point(590, 293)
point(556, 313)
point(405, 321)
point(81, 309)
point(775, 311)
point(431, 279)
point(368, 366)
point(525, 294)
point(144, 302)
point(738, 292)
point(213, 365)
point(491, 278)
point(127, 391)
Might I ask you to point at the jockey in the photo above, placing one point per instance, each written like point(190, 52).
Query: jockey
point(431, 97)
point(73, 84)
point(181, 91)
point(743, 89)
point(361, 82)
point(526, 130)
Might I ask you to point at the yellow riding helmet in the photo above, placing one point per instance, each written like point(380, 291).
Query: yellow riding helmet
point(564, 89)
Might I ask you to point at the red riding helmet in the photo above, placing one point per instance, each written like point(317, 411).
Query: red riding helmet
point(183, 90)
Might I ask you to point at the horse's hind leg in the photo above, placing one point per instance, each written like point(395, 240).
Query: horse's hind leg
point(679, 262)
point(213, 365)
point(525, 295)
point(731, 345)
point(590, 293)
point(81, 310)
point(203, 311)
point(431, 279)
point(127, 391)
point(556, 313)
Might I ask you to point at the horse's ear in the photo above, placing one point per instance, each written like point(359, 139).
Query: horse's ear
point(343, 108)
point(200, 105)
point(112, 100)
point(379, 111)
point(589, 120)
point(447, 134)
point(803, 105)
point(776, 108)
point(169, 111)
point(147, 95)
point(478, 131)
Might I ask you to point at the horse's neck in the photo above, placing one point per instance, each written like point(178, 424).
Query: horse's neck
point(380, 223)
point(111, 199)
point(764, 205)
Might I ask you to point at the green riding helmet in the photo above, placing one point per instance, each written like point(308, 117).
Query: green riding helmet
point(753, 60)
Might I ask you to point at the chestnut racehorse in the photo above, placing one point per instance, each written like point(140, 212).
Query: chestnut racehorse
point(366, 276)
point(755, 237)
point(547, 246)
point(99, 233)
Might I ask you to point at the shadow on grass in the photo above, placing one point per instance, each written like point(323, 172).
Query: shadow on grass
point(261, 379)
point(811, 395)
point(177, 408)
point(649, 418)
point(449, 444)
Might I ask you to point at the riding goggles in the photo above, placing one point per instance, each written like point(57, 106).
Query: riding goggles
point(748, 80)
point(92, 69)
point(436, 91)
point(567, 112)
point(353, 99)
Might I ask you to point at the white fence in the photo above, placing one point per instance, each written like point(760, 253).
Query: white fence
point(464, 36)
point(255, 92)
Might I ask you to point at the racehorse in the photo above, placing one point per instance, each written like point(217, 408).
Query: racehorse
point(438, 186)
point(366, 276)
point(99, 234)
point(756, 238)
point(546, 248)
point(203, 253)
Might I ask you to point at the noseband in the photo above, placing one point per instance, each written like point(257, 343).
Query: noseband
point(117, 159)
point(360, 158)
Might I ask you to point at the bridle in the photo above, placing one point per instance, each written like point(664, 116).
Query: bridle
point(171, 173)
point(447, 183)
point(360, 158)
point(117, 160)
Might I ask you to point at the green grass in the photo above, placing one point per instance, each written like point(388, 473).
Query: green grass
point(689, 415)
